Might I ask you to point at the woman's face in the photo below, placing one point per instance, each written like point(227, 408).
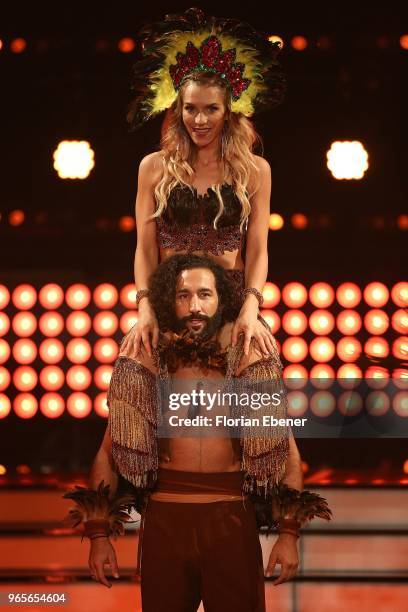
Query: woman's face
point(203, 112)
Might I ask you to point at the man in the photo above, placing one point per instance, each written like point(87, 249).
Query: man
point(200, 538)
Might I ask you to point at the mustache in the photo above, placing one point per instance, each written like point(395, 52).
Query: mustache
point(196, 317)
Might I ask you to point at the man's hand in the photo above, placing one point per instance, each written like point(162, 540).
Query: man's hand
point(102, 553)
point(285, 553)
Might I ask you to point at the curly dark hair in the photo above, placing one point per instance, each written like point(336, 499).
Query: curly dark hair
point(162, 288)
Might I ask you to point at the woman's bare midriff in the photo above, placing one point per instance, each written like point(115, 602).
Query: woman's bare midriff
point(229, 260)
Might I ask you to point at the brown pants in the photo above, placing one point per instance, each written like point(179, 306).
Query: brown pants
point(201, 551)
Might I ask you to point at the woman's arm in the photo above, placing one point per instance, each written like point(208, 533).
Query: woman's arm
point(146, 256)
point(256, 263)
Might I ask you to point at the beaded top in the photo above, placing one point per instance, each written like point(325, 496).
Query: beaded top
point(187, 222)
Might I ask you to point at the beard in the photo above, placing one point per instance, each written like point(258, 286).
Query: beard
point(213, 324)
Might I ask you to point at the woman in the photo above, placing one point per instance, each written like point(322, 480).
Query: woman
point(205, 191)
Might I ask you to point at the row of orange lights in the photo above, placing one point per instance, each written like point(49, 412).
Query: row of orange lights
point(17, 218)
point(301, 221)
point(79, 377)
point(294, 322)
point(321, 403)
point(298, 43)
point(295, 349)
point(293, 294)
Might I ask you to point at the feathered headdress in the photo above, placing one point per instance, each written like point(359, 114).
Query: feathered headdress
point(183, 44)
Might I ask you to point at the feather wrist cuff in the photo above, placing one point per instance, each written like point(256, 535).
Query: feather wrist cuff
point(100, 515)
point(291, 508)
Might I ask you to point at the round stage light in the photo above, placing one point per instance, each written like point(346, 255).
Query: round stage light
point(322, 403)
point(377, 377)
point(294, 322)
point(376, 347)
point(24, 351)
point(321, 295)
point(52, 405)
point(4, 351)
point(25, 378)
point(322, 349)
point(51, 324)
point(51, 296)
point(5, 406)
point(24, 297)
point(126, 45)
point(321, 376)
point(18, 45)
point(295, 376)
point(399, 294)
point(106, 350)
point(400, 321)
point(4, 324)
point(78, 378)
point(400, 347)
point(272, 318)
point(101, 406)
point(128, 295)
point(51, 351)
point(74, 159)
point(347, 160)
point(78, 296)
point(377, 403)
point(348, 322)
point(275, 38)
point(5, 378)
point(297, 404)
point(348, 295)
point(404, 41)
point(78, 323)
point(400, 378)
point(25, 405)
point(376, 295)
point(24, 324)
point(376, 321)
point(348, 349)
point(299, 221)
point(78, 350)
point(350, 403)
point(276, 222)
point(52, 378)
point(349, 376)
point(127, 321)
point(299, 43)
point(271, 295)
point(321, 322)
point(4, 296)
point(105, 296)
point(79, 405)
point(126, 223)
point(400, 403)
point(105, 323)
point(102, 376)
point(294, 349)
point(294, 295)
point(16, 217)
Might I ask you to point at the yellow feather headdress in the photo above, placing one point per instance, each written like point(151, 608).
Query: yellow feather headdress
point(172, 50)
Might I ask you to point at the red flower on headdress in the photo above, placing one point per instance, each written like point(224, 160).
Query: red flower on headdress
point(210, 57)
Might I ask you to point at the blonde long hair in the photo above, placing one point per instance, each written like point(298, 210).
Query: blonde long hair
point(179, 153)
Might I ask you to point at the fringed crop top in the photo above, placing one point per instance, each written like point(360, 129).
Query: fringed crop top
point(187, 222)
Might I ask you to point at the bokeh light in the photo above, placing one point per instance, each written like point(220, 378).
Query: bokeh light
point(5, 378)
point(105, 296)
point(321, 295)
point(51, 351)
point(400, 347)
point(271, 295)
point(78, 323)
point(106, 350)
point(348, 295)
point(348, 349)
point(74, 159)
point(79, 405)
point(24, 324)
point(105, 323)
point(322, 403)
point(78, 350)
point(52, 378)
point(128, 320)
point(25, 378)
point(376, 347)
point(4, 324)
point(51, 324)
point(51, 296)
point(25, 405)
point(297, 404)
point(376, 294)
point(322, 349)
point(399, 321)
point(294, 322)
point(24, 297)
point(52, 405)
point(4, 296)
point(128, 295)
point(321, 322)
point(399, 294)
point(102, 376)
point(272, 318)
point(4, 350)
point(348, 322)
point(347, 160)
point(78, 296)
point(294, 349)
point(101, 406)
point(294, 295)
point(276, 222)
point(78, 377)
point(5, 406)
